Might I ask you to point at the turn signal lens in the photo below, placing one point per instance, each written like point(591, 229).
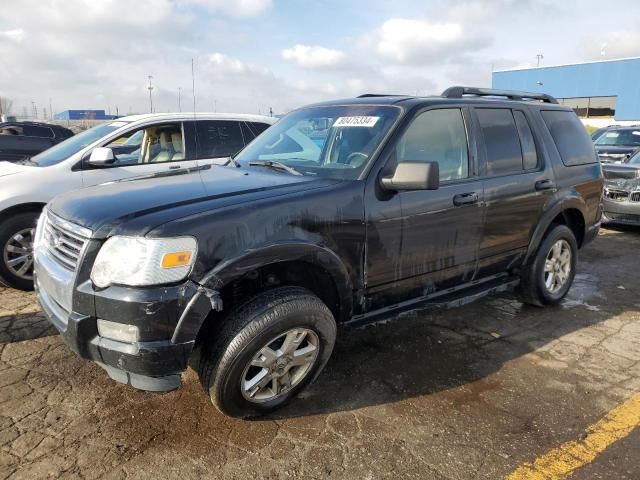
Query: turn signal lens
point(176, 259)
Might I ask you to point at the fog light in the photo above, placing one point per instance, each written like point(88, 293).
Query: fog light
point(120, 332)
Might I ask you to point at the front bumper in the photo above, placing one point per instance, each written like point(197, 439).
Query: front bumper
point(621, 212)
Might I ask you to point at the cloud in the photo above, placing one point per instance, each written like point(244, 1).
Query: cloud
point(236, 8)
point(15, 35)
point(408, 41)
point(619, 44)
point(313, 56)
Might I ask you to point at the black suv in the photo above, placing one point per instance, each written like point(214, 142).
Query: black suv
point(20, 140)
point(616, 144)
point(348, 211)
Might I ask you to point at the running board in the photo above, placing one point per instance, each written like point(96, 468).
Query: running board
point(450, 298)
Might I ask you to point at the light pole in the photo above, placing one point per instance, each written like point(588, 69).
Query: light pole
point(150, 87)
point(179, 99)
point(539, 57)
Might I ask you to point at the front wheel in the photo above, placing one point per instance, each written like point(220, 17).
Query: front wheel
point(267, 351)
point(16, 248)
point(549, 277)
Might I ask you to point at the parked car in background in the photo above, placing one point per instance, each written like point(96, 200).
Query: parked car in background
point(621, 201)
point(616, 144)
point(19, 140)
point(131, 146)
point(346, 211)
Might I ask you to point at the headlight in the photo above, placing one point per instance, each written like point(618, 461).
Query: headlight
point(140, 261)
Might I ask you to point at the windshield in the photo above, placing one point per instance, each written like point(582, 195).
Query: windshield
point(64, 150)
point(333, 141)
point(628, 137)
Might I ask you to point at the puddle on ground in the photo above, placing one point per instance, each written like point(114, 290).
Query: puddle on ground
point(584, 289)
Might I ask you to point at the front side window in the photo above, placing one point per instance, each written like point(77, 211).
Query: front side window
point(332, 141)
point(437, 136)
point(153, 144)
point(218, 138)
point(35, 131)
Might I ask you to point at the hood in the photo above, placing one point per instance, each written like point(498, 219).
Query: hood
point(615, 154)
point(628, 172)
point(9, 168)
point(104, 207)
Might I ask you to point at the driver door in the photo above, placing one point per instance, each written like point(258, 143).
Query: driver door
point(143, 151)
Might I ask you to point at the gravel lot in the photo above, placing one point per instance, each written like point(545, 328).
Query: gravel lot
point(467, 393)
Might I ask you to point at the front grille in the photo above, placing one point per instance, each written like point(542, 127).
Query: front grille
point(635, 197)
point(64, 241)
point(616, 195)
point(623, 217)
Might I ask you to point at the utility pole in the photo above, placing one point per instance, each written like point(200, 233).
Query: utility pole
point(179, 98)
point(34, 110)
point(50, 108)
point(150, 88)
point(539, 57)
point(270, 111)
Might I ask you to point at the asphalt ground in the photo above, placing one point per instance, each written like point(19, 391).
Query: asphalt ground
point(491, 390)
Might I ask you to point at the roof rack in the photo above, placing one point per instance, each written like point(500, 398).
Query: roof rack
point(367, 95)
point(459, 92)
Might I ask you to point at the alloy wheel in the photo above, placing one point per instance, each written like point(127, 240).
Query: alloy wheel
point(18, 254)
point(280, 365)
point(557, 266)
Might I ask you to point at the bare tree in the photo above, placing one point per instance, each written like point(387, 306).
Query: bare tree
point(6, 104)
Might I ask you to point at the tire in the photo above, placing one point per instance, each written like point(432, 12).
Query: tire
point(282, 313)
point(534, 286)
point(8, 230)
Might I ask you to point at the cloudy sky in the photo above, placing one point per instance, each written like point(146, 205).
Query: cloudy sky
point(250, 55)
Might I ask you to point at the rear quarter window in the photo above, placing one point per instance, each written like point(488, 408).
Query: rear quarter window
point(572, 141)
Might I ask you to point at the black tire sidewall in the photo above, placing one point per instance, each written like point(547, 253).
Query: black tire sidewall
point(8, 228)
point(560, 232)
point(304, 311)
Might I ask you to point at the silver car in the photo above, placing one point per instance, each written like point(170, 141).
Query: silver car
point(621, 202)
point(128, 147)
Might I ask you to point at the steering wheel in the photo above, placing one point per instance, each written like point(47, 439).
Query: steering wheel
point(354, 155)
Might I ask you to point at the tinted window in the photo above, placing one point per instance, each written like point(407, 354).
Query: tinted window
point(501, 141)
point(437, 136)
point(33, 131)
point(257, 128)
point(570, 137)
point(218, 138)
point(529, 154)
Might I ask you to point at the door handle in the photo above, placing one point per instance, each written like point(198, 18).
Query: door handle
point(174, 167)
point(465, 199)
point(545, 184)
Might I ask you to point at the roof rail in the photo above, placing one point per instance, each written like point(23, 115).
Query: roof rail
point(367, 95)
point(459, 92)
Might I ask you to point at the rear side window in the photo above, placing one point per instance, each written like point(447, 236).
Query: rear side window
point(216, 138)
point(573, 143)
point(529, 154)
point(501, 140)
point(257, 128)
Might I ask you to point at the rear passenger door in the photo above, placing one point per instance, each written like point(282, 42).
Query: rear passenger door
point(217, 140)
point(517, 184)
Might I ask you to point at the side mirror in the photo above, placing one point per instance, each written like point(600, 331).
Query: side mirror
point(101, 156)
point(413, 176)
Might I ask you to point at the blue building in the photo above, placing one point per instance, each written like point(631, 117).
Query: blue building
point(607, 89)
point(83, 115)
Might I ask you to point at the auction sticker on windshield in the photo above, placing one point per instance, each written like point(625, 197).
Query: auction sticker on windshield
point(361, 121)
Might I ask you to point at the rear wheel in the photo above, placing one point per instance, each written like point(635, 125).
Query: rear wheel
point(550, 276)
point(16, 247)
point(267, 351)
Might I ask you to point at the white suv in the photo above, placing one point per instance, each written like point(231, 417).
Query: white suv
point(128, 147)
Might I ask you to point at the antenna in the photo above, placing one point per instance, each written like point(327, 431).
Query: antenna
point(150, 87)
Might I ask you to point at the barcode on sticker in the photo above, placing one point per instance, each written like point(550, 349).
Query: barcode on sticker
point(356, 121)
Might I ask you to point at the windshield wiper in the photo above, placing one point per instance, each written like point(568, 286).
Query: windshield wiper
point(275, 166)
